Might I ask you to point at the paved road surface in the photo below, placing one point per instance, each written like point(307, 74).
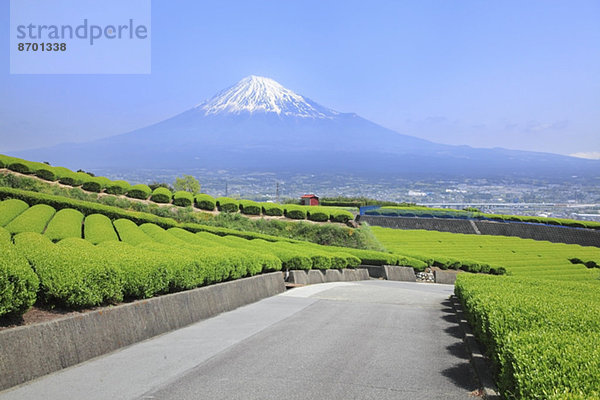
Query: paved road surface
point(359, 340)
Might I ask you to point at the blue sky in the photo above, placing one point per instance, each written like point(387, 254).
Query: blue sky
point(519, 75)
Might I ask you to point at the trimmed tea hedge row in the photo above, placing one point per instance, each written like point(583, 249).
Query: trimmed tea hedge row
point(65, 223)
point(117, 187)
point(161, 195)
point(130, 233)
point(543, 337)
point(205, 202)
point(226, 204)
point(10, 209)
point(34, 219)
point(98, 228)
point(71, 272)
point(249, 207)
point(18, 283)
point(271, 209)
point(183, 199)
point(139, 191)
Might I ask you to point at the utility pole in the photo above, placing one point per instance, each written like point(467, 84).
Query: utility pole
point(277, 193)
point(226, 189)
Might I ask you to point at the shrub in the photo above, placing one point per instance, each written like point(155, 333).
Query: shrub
point(18, 283)
point(94, 184)
point(183, 199)
point(139, 191)
point(117, 187)
point(249, 207)
point(98, 228)
point(10, 209)
point(317, 215)
point(342, 216)
point(161, 195)
point(34, 219)
point(272, 209)
point(73, 178)
point(145, 273)
point(130, 233)
point(294, 212)
point(5, 161)
point(47, 174)
point(73, 272)
point(65, 223)
point(225, 204)
point(21, 166)
point(205, 202)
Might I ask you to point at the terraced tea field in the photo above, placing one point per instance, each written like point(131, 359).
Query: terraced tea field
point(87, 254)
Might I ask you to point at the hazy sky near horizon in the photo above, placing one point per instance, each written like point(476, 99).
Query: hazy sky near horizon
point(513, 74)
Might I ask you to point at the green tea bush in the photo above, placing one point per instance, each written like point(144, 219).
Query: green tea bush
point(294, 212)
point(95, 184)
point(98, 228)
point(73, 178)
point(10, 209)
point(182, 198)
point(34, 219)
point(18, 283)
point(140, 191)
point(249, 207)
point(21, 166)
point(145, 273)
point(161, 195)
point(317, 214)
point(117, 187)
point(66, 223)
point(130, 233)
point(5, 161)
point(226, 204)
point(205, 202)
point(542, 337)
point(272, 209)
point(342, 216)
point(71, 273)
point(47, 173)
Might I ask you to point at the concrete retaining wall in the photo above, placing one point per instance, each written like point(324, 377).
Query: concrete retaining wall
point(392, 273)
point(445, 276)
point(31, 351)
point(331, 275)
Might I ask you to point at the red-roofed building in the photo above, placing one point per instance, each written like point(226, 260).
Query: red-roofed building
point(309, 200)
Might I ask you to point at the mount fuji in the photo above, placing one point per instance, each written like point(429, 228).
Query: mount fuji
point(259, 125)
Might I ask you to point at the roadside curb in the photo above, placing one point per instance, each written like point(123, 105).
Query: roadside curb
point(480, 363)
point(29, 352)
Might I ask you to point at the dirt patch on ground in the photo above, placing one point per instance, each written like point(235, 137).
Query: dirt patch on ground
point(37, 315)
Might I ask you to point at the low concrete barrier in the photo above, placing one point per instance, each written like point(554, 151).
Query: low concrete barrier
point(32, 351)
point(392, 273)
point(315, 276)
point(445, 276)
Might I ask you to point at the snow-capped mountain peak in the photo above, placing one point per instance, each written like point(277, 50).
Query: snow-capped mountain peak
point(257, 94)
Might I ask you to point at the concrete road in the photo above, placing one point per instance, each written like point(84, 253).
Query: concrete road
point(346, 340)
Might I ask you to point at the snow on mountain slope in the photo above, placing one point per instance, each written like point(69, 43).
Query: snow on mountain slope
point(258, 94)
